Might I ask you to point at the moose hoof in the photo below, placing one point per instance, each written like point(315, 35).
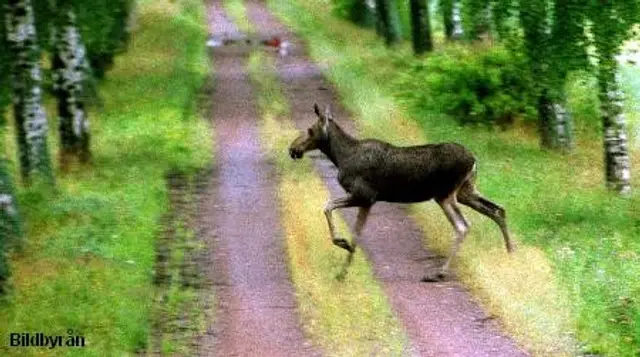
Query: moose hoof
point(435, 277)
point(342, 243)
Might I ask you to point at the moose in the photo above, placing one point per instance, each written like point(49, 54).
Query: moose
point(371, 170)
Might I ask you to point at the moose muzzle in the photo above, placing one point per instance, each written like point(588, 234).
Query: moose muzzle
point(297, 148)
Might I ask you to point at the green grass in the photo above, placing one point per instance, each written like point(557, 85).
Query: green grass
point(87, 258)
point(236, 10)
point(578, 262)
point(349, 317)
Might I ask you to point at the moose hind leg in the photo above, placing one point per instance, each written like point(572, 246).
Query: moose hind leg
point(470, 197)
point(363, 213)
point(461, 227)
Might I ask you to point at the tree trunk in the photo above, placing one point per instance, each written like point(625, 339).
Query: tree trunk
point(30, 116)
point(420, 26)
point(9, 221)
point(555, 123)
point(446, 7)
point(616, 151)
point(361, 13)
point(385, 24)
point(456, 18)
point(70, 69)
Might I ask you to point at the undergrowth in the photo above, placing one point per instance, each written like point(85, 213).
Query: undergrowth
point(87, 258)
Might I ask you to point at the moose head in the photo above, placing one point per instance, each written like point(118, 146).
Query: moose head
point(316, 137)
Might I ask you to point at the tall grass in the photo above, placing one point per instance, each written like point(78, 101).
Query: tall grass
point(345, 318)
point(87, 260)
point(575, 274)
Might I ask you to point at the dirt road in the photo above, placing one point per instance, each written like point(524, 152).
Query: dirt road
point(256, 309)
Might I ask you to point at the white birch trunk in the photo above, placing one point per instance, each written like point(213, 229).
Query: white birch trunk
point(562, 127)
point(456, 19)
point(9, 221)
point(616, 149)
point(70, 74)
point(30, 116)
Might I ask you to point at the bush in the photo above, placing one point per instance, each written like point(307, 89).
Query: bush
point(475, 85)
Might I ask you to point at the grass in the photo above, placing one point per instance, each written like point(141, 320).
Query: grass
point(345, 318)
point(87, 259)
point(236, 10)
point(575, 274)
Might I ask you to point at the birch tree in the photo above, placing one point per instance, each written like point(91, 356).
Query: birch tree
point(387, 23)
point(611, 26)
point(420, 27)
point(70, 71)
point(29, 113)
point(555, 122)
point(4, 66)
point(9, 221)
point(451, 18)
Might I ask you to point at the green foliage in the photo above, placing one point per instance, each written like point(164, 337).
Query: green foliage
point(582, 101)
point(504, 18)
point(104, 28)
point(5, 70)
point(475, 87)
point(475, 18)
point(355, 11)
point(568, 39)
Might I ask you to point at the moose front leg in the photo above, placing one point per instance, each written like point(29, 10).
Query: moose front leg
point(342, 202)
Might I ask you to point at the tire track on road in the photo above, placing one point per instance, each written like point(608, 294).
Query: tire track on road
point(255, 304)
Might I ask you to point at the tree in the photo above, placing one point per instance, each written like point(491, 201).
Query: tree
point(420, 27)
point(611, 26)
point(29, 113)
point(387, 24)
point(555, 123)
point(451, 16)
point(5, 69)
point(9, 222)
point(70, 71)
point(107, 30)
point(475, 18)
point(501, 14)
point(357, 11)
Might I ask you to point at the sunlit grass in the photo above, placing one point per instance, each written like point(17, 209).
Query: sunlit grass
point(87, 258)
point(351, 317)
point(237, 12)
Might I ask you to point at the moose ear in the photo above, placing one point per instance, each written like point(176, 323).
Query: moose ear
point(317, 110)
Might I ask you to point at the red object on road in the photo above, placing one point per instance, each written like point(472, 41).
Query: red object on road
point(273, 41)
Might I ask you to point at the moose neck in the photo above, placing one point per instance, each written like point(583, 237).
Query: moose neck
point(339, 144)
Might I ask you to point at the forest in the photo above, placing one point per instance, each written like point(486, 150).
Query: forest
point(144, 158)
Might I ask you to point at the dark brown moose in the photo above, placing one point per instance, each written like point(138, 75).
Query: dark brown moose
point(372, 170)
